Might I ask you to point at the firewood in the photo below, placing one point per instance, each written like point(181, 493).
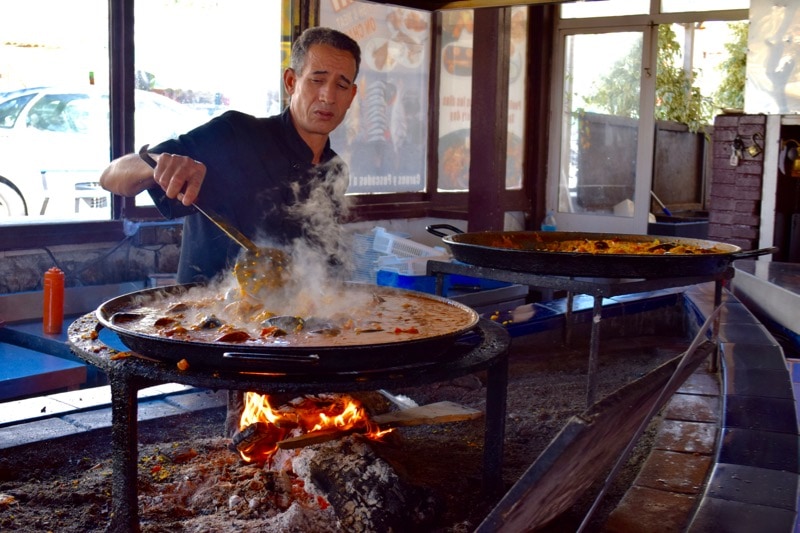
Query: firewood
point(318, 437)
point(431, 414)
point(252, 435)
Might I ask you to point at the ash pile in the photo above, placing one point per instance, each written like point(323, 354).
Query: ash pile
point(336, 486)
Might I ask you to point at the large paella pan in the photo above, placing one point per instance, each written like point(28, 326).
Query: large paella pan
point(382, 328)
point(579, 254)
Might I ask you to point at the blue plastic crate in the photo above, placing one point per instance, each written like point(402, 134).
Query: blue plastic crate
point(453, 283)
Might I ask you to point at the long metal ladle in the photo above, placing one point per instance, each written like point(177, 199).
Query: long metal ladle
point(229, 229)
point(260, 267)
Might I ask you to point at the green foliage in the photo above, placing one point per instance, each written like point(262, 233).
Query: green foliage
point(618, 91)
point(677, 98)
point(730, 93)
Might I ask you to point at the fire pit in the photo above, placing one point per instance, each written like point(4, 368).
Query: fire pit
point(129, 372)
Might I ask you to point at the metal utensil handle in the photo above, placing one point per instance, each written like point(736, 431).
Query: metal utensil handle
point(433, 229)
point(218, 221)
point(236, 235)
point(146, 157)
point(309, 359)
point(755, 253)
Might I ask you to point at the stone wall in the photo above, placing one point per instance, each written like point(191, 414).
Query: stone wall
point(149, 250)
point(735, 190)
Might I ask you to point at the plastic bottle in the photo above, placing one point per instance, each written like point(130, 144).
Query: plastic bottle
point(53, 311)
point(549, 222)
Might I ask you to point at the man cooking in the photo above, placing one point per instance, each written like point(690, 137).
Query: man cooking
point(247, 169)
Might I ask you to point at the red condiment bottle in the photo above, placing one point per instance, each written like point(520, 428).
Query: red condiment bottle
point(53, 311)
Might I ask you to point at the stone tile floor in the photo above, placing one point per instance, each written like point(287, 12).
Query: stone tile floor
point(671, 482)
point(726, 454)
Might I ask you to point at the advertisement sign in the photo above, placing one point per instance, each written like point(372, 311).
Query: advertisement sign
point(384, 136)
point(455, 100)
point(773, 79)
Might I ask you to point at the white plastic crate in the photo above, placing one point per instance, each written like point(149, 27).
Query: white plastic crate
point(389, 244)
point(409, 266)
point(365, 259)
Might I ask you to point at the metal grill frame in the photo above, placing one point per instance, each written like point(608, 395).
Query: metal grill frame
point(129, 372)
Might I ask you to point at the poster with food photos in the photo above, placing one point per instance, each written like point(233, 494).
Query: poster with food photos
point(383, 139)
point(773, 58)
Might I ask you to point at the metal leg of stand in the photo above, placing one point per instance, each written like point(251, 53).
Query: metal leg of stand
point(440, 284)
point(495, 426)
point(124, 442)
point(713, 361)
point(594, 349)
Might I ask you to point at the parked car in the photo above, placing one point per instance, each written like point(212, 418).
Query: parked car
point(54, 143)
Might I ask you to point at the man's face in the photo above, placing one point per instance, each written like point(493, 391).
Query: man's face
point(323, 92)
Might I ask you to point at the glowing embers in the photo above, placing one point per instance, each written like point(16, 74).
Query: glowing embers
point(263, 430)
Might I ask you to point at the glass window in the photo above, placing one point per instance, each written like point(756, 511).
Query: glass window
point(54, 132)
point(196, 59)
point(11, 108)
point(384, 136)
point(698, 70)
point(773, 50)
point(606, 8)
point(455, 100)
point(600, 123)
point(692, 59)
point(684, 6)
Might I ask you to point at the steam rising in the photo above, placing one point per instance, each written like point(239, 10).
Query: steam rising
point(321, 258)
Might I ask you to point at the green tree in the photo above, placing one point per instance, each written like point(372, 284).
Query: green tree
point(618, 91)
point(730, 93)
point(677, 98)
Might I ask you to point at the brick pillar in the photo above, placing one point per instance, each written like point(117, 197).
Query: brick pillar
point(734, 201)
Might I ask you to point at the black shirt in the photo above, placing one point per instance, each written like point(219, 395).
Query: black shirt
point(255, 168)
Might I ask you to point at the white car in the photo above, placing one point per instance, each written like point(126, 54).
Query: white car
point(54, 143)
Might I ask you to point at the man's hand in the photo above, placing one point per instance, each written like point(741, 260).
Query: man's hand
point(181, 177)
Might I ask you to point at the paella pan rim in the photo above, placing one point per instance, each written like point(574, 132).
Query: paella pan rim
point(517, 251)
point(475, 240)
point(267, 357)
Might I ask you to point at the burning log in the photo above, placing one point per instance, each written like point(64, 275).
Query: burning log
point(316, 437)
point(363, 490)
point(262, 427)
point(262, 437)
point(431, 414)
point(259, 438)
point(257, 435)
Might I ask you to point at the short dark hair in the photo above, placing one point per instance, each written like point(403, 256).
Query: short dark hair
point(322, 35)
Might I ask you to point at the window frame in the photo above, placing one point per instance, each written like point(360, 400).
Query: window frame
point(651, 21)
point(431, 203)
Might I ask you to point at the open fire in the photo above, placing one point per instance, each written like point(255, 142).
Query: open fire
point(263, 430)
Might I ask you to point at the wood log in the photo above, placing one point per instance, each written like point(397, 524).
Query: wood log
point(431, 414)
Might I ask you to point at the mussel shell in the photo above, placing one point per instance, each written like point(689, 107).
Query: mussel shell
point(285, 322)
point(210, 322)
point(321, 326)
point(124, 317)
